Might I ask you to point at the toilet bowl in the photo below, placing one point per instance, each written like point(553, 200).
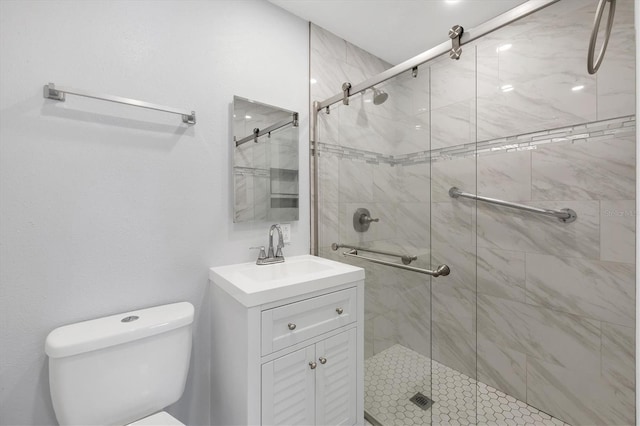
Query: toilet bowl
point(123, 369)
point(159, 419)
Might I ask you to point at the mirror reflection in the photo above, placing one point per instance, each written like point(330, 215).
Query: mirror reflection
point(265, 162)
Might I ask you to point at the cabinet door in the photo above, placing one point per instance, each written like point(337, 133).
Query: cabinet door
point(288, 392)
point(336, 382)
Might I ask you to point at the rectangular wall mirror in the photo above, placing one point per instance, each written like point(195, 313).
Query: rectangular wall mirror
point(265, 162)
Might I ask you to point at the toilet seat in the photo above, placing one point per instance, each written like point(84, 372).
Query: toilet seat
point(159, 419)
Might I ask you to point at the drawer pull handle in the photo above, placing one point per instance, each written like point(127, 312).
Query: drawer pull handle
point(339, 311)
point(312, 365)
point(322, 360)
point(292, 326)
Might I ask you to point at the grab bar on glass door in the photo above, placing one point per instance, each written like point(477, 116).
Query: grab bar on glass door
point(406, 259)
point(564, 215)
point(442, 270)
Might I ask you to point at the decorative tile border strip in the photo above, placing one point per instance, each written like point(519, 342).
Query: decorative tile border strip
point(589, 132)
point(251, 171)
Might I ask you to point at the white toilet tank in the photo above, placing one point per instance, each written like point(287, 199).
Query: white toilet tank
point(121, 368)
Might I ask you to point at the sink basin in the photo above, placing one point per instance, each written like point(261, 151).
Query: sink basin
point(254, 285)
point(280, 271)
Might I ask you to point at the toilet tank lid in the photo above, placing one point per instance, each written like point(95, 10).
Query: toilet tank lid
point(116, 329)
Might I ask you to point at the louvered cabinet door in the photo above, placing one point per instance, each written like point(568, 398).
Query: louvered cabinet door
point(336, 382)
point(288, 389)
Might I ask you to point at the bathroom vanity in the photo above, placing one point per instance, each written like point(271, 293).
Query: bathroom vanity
point(287, 343)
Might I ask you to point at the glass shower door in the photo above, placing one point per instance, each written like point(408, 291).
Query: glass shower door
point(395, 158)
point(453, 238)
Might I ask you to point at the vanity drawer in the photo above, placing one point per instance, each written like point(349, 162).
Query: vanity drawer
point(290, 324)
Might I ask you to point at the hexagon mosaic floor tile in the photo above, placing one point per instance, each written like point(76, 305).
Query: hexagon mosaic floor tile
point(395, 375)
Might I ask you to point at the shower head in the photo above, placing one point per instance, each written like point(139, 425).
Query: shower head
point(379, 96)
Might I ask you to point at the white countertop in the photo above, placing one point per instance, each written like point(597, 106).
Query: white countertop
point(254, 285)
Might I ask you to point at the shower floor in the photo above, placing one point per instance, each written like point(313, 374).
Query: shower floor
point(398, 373)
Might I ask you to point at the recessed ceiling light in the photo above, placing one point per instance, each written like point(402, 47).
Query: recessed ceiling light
point(313, 81)
point(248, 117)
point(503, 47)
point(451, 1)
point(577, 88)
point(506, 88)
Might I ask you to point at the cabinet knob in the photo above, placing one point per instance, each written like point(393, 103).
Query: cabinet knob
point(322, 360)
point(292, 326)
point(339, 311)
point(313, 365)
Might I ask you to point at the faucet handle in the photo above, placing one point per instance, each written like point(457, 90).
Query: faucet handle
point(262, 255)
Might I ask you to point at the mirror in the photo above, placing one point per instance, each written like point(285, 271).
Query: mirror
point(265, 162)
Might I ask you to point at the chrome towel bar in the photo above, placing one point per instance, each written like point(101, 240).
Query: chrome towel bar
point(563, 215)
point(51, 91)
point(406, 259)
point(442, 270)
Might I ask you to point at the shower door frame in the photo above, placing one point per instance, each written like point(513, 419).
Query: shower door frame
point(468, 36)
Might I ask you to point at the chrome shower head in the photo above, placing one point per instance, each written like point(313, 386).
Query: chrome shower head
point(379, 96)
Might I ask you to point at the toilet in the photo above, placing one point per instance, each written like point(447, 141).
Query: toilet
point(122, 369)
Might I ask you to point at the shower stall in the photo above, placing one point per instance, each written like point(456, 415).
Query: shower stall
point(515, 168)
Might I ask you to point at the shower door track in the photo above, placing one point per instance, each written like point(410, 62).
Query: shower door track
point(491, 25)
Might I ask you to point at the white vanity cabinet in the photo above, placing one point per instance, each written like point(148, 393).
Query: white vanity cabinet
point(316, 385)
point(297, 360)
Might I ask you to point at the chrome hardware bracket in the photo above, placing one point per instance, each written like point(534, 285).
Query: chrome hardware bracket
point(414, 72)
point(455, 34)
point(189, 118)
point(50, 92)
point(346, 88)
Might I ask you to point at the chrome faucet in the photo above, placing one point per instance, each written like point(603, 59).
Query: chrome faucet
point(271, 258)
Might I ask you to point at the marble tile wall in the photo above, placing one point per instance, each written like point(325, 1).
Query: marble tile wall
point(553, 297)
point(356, 169)
point(539, 309)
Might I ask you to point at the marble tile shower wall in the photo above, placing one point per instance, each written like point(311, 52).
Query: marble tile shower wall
point(555, 302)
point(544, 308)
point(357, 142)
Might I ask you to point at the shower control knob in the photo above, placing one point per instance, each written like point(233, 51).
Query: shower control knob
point(291, 326)
point(339, 311)
point(322, 360)
point(367, 219)
point(313, 365)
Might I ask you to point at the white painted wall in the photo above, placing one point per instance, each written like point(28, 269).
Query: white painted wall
point(107, 208)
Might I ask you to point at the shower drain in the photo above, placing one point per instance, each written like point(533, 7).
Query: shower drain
point(421, 401)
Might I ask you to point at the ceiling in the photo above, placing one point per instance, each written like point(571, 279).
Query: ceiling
point(396, 30)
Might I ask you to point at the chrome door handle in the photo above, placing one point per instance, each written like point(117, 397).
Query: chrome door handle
point(339, 311)
point(322, 360)
point(291, 326)
point(313, 365)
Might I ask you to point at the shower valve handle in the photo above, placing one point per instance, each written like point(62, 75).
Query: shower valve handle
point(364, 218)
